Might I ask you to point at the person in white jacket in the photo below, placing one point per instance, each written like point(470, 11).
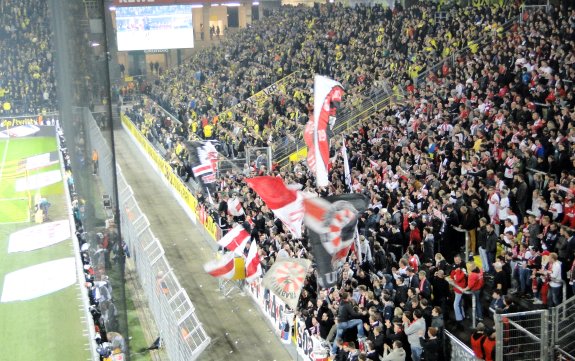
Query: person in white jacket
point(395, 354)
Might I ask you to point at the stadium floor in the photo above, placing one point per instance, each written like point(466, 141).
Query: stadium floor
point(238, 330)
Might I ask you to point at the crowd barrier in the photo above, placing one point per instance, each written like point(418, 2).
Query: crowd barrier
point(174, 314)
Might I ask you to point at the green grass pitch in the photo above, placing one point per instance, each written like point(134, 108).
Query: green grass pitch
point(47, 328)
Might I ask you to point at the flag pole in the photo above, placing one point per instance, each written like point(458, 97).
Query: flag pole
point(347, 175)
point(209, 195)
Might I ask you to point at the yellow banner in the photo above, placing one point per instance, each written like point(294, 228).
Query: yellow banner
point(191, 202)
point(299, 155)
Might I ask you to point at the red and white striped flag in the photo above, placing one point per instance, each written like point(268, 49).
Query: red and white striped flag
point(227, 266)
point(287, 204)
point(326, 91)
point(235, 240)
point(235, 207)
point(374, 164)
point(253, 266)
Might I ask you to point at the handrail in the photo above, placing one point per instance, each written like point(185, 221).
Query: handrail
point(460, 345)
point(564, 353)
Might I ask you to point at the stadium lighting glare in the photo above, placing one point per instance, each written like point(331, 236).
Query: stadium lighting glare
point(112, 8)
point(233, 4)
point(256, 3)
point(215, 5)
point(197, 6)
point(94, 44)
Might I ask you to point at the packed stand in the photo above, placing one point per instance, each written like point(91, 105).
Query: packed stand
point(361, 47)
point(27, 81)
point(485, 147)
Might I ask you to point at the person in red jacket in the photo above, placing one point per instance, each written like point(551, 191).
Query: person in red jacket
point(475, 285)
point(569, 214)
point(415, 237)
point(477, 339)
point(459, 279)
point(489, 345)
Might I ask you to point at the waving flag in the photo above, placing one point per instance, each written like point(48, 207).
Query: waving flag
point(346, 171)
point(235, 207)
point(227, 266)
point(286, 279)
point(286, 203)
point(235, 240)
point(326, 92)
point(204, 161)
point(253, 266)
point(331, 223)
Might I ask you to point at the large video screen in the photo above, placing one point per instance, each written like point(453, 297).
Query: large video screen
point(154, 27)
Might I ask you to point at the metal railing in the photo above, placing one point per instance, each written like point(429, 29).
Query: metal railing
point(182, 333)
point(522, 336)
point(455, 350)
point(563, 319)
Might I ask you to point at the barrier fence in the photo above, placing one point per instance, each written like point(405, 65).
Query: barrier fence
point(522, 336)
point(182, 333)
point(455, 350)
point(563, 321)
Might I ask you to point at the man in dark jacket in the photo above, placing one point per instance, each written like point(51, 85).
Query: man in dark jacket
point(347, 318)
point(441, 293)
point(482, 243)
point(491, 245)
point(398, 334)
point(520, 192)
point(432, 349)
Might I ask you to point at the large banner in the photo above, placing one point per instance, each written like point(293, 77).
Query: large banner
point(327, 93)
point(28, 120)
point(279, 315)
point(175, 181)
point(332, 225)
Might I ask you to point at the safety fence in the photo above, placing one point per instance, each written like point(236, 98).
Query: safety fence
point(259, 156)
point(546, 334)
point(522, 336)
point(181, 332)
point(455, 350)
point(563, 321)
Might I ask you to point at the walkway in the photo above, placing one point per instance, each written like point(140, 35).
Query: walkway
point(238, 330)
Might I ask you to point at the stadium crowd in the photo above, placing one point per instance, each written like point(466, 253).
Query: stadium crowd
point(483, 147)
point(361, 47)
point(27, 81)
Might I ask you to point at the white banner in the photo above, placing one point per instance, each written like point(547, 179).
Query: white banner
point(277, 313)
point(43, 235)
